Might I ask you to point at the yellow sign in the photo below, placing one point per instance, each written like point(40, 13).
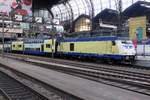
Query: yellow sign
point(137, 28)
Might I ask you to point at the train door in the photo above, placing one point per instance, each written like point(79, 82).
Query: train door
point(113, 47)
point(71, 47)
point(42, 48)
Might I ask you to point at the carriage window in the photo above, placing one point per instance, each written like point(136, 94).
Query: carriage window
point(71, 46)
point(48, 46)
point(19, 46)
point(37, 49)
point(27, 48)
point(113, 43)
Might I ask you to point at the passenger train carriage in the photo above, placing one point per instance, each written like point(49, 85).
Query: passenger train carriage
point(99, 47)
point(49, 46)
point(17, 46)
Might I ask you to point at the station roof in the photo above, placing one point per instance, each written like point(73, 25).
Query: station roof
point(39, 4)
point(72, 9)
point(82, 16)
point(139, 8)
point(107, 10)
point(108, 15)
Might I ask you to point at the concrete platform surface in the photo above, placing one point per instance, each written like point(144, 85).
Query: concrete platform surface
point(143, 58)
point(84, 88)
point(143, 61)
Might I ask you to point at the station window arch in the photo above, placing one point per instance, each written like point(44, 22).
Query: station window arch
point(82, 23)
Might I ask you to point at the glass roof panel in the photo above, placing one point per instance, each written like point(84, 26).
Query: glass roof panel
point(56, 12)
point(97, 6)
point(86, 6)
point(64, 12)
point(80, 7)
point(127, 3)
point(75, 8)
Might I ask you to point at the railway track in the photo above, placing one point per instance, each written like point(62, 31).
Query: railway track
point(41, 89)
point(137, 80)
point(13, 90)
point(105, 67)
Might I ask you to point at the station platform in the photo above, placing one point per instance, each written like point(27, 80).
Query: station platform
point(143, 61)
point(143, 58)
point(83, 88)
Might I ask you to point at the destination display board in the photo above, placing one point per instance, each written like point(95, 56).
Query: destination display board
point(16, 7)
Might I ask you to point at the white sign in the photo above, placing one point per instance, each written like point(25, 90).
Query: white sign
point(58, 28)
point(38, 19)
point(8, 35)
point(56, 21)
point(8, 30)
point(18, 17)
point(25, 26)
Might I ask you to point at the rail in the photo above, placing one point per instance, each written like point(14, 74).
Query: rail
point(137, 80)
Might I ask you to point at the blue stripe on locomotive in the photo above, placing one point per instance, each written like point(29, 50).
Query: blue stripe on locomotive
point(34, 52)
point(90, 39)
point(117, 57)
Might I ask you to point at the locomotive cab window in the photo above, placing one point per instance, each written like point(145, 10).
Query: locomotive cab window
point(48, 46)
point(27, 48)
point(126, 42)
point(37, 49)
point(113, 43)
point(71, 46)
point(19, 46)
